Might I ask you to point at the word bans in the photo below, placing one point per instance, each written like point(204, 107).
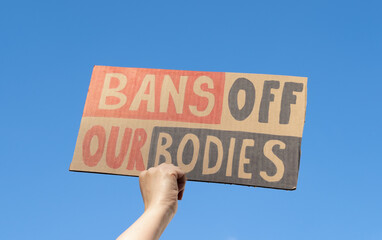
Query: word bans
point(132, 93)
point(228, 157)
point(98, 144)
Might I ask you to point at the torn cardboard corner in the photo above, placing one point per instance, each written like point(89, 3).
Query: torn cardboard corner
point(219, 127)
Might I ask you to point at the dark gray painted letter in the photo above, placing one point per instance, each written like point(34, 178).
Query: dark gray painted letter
point(245, 111)
point(266, 99)
point(287, 99)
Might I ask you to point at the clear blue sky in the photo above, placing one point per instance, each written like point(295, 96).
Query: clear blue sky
point(47, 52)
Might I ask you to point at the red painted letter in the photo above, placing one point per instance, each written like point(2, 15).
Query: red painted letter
point(135, 157)
point(112, 160)
point(92, 160)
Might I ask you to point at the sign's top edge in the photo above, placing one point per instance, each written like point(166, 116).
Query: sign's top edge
point(270, 75)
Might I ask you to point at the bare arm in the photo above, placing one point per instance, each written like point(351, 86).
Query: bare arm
point(161, 188)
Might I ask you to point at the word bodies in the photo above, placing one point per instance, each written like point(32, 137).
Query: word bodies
point(227, 156)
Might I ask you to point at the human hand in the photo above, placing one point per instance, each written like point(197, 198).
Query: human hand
point(162, 187)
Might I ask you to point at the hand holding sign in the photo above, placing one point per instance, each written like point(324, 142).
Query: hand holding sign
point(161, 188)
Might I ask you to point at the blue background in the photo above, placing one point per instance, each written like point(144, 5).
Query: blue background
point(47, 52)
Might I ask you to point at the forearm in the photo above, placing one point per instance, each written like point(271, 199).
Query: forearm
point(149, 226)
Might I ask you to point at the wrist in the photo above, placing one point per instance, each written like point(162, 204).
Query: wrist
point(163, 206)
point(161, 210)
point(160, 215)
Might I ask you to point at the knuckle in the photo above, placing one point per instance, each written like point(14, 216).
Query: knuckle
point(143, 174)
point(152, 171)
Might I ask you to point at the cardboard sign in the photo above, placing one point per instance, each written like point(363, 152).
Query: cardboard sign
point(220, 127)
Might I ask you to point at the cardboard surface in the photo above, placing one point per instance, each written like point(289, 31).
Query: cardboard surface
point(221, 127)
